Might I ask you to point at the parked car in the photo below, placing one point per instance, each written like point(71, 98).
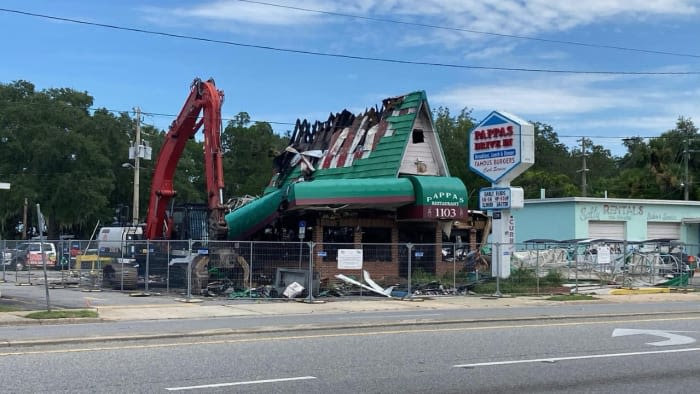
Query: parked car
point(28, 254)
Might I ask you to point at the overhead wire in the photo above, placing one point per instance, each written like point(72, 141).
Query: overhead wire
point(253, 121)
point(472, 31)
point(345, 56)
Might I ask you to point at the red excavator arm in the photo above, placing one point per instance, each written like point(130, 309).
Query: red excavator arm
point(204, 97)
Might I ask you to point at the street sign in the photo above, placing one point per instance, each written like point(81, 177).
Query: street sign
point(4, 186)
point(491, 198)
point(302, 229)
point(501, 147)
point(495, 198)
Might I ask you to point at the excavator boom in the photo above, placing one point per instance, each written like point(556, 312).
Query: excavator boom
point(205, 100)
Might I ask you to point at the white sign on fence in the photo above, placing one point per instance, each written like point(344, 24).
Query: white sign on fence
point(603, 255)
point(349, 259)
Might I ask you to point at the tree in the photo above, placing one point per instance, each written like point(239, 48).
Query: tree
point(553, 167)
point(453, 132)
point(54, 156)
point(248, 153)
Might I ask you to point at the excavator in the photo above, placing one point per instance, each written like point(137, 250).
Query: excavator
point(206, 100)
point(202, 110)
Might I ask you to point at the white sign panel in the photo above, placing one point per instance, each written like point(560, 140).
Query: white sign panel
point(603, 253)
point(501, 147)
point(4, 185)
point(491, 198)
point(349, 259)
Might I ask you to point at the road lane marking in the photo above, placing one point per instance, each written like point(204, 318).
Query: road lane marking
point(321, 336)
point(671, 338)
point(590, 356)
point(207, 386)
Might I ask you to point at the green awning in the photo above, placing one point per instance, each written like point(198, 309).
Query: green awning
point(367, 191)
point(253, 216)
point(415, 197)
point(436, 198)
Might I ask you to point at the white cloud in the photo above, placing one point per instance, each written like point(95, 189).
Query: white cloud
point(489, 52)
point(535, 97)
point(498, 16)
point(241, 12)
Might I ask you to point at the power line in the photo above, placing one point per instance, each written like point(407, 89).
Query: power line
point(344, 56)
point(464, 30)
point(166, 115)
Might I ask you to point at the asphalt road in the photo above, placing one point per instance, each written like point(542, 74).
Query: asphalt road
point(644, 355)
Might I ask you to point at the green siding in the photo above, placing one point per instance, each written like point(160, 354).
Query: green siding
point(385, 159)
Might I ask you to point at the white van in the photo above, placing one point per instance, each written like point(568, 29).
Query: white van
point(115, 240)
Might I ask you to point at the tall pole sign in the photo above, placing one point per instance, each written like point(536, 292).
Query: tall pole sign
point(501, 147)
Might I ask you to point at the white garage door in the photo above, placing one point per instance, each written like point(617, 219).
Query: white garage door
point(606, 229)
point(663, 230)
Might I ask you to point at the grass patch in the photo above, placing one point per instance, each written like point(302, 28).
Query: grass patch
point(5, 308)
point(62, 314)
point(571, 297)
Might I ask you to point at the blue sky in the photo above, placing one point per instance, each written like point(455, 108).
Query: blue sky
point(124, 69)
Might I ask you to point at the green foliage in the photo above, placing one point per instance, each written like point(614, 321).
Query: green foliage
point(56, 150)
point(248, 153)
point(420, 276)
point(571, 297)
point(62, 314)
point(522, 281)
point(554, 278)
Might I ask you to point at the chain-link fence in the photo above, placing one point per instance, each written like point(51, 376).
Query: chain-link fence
point(268, 270)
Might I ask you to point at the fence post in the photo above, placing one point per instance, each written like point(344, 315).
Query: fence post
point(148, 254)
point(122, 245)
point(575, 254)
point(189, 271)
point(409, 246)
point(454, 268)
point(537, 271)
point(167, 269)
point(311, 271)
point(4, 247)
point(497, 260)
point(250, 271)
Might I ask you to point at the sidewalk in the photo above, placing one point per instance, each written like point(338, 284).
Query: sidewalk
point(399, 313)
point(178, 308)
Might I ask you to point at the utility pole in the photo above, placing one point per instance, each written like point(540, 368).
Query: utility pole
point(25, 225)
point(584, 169)
point(137, 156)
point(686, 154)
point(137, 151)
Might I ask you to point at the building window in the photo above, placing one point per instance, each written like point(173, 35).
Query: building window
point(335, 238)
point(418, 137)
point(376, 243)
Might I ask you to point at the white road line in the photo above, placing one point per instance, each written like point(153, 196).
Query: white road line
point(206, 386)
point(591, 356)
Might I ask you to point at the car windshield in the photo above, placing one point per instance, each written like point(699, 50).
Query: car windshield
point(34, 247)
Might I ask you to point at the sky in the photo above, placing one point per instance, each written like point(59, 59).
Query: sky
point(601, 69)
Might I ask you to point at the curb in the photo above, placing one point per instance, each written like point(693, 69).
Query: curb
point(311, 328)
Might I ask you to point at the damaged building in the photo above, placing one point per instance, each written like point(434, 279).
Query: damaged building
point(371, 181)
